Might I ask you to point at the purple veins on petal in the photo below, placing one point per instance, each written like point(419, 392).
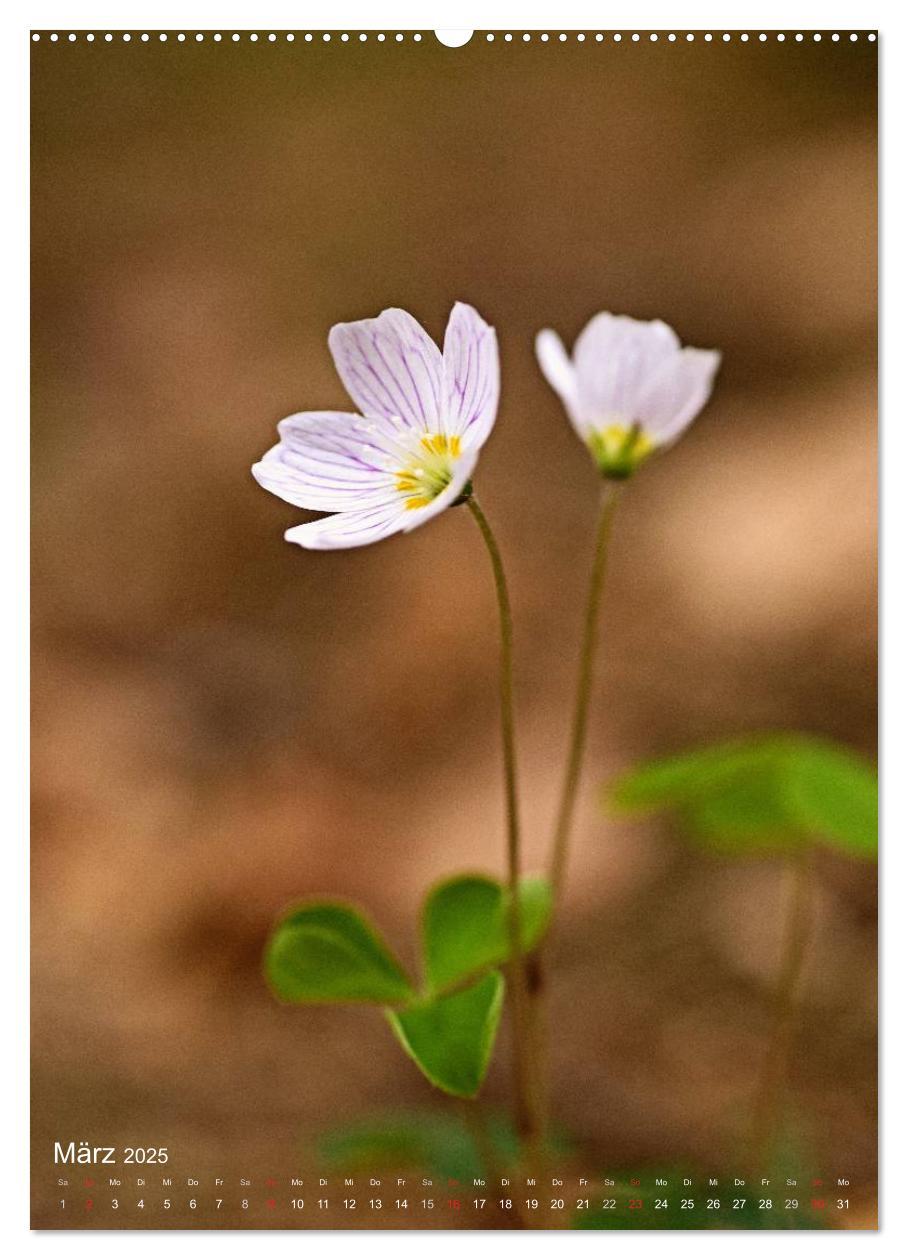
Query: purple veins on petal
point(426, 413)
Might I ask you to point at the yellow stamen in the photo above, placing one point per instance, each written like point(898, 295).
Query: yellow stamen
point(431, 470)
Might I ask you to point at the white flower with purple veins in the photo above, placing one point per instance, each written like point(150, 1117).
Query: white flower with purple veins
point(423, 417)
point(629, 389)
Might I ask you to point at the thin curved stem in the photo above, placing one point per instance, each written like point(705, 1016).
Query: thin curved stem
point(537, 969)
point(524, 1090)
point(771, 1086)
point(583, 694)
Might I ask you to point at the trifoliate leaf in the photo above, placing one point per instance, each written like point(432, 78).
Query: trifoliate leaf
point(765, 792)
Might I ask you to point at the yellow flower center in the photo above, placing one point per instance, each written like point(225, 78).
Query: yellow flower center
point(430, 470)
point(619, 450)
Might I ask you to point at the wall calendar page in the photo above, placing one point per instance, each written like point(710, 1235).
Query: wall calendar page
point(454, 629)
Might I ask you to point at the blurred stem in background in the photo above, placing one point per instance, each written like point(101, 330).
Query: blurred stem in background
point(526, 1077)
point(767, 1115)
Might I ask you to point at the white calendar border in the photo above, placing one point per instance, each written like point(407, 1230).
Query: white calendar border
point(282, 15)
point(830, 15)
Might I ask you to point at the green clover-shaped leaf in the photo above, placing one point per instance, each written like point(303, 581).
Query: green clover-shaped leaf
point(764, 792)
point(327, 952)
point(450, 1038)
point(465, 926)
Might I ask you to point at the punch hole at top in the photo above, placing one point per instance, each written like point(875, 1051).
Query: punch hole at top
point(453, 39)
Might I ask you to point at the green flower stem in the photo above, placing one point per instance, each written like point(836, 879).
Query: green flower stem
point(583, 694)
point(538, 1030)
point(527, 1108)
point(797, 932)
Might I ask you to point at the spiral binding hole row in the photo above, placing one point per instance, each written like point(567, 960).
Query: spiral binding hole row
point(400, 37)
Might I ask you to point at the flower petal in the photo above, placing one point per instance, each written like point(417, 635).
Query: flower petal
point(471, 376)
point(327, 461)
point(560, 373)
point(615, 357)
point(676, 393)
point(391, 368)
point(349, 529)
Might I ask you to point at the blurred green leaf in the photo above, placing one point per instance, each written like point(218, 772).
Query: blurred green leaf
point(764, 792)
point(430, 1142)
point(327, 952)
point(450, 1038)
point(748, 811)
point(678, 779)
point(835, 794)
point(747, 1215)
point(424, 1142)
point(465, 925)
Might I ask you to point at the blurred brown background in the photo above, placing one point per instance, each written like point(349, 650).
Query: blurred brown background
point(224, 723)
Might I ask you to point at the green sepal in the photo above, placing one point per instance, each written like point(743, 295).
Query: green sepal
point(328, 952)
point(618, 451)
point(450, 1038)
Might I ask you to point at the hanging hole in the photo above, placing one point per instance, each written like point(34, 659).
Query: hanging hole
point(453, 39)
